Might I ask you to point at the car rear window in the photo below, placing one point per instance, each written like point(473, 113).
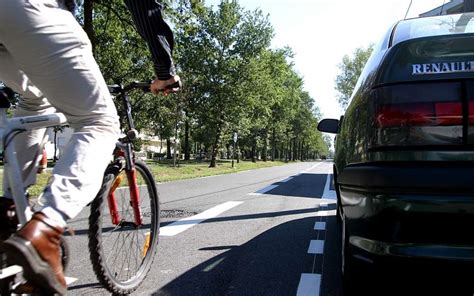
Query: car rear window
point(433, 26)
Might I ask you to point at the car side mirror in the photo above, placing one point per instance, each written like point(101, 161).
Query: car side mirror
point(329, 126)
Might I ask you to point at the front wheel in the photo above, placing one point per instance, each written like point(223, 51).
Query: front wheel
point(121, 251)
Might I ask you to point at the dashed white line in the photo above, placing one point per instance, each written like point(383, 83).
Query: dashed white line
point(320, 226)
point(309, 284)
point(70, 280)
point(328, 194)
point(316, 247)
point(186, 223)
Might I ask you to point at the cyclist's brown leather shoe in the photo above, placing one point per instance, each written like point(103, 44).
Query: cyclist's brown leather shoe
point(36, 248)
point(8, 218)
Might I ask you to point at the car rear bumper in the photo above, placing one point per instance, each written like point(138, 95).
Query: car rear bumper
point(410, 250)
point(415, 210)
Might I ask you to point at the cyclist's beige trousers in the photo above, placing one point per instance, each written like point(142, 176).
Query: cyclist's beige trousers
point(47, 57)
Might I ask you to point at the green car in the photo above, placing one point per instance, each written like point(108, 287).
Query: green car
point(404, 159)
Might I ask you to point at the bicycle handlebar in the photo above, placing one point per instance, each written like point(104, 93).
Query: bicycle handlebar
point(122, 91)
point(143, 85)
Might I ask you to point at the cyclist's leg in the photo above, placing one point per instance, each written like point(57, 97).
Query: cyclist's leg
point(56, 55)
point(54, 52)
point(28, 145)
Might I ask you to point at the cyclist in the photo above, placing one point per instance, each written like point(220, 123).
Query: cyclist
point(47, 58)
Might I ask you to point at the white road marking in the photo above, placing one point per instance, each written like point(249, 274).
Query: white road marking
point(186, 223)
point(264, 190)
point(316, 247)
point(320, 226)
point(286, 180)
point(314, 166)
point(309, 285)
point(70, 280)
point(328, 194)
point(326, 213)
point(15, 269)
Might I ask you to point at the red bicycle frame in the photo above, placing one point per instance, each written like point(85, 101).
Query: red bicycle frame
point(134, 194)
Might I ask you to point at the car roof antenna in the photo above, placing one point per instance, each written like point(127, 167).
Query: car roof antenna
point(408, 9)
point(442, 7)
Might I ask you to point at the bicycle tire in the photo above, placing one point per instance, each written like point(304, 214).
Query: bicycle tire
point(102, 254)
point(65, 252)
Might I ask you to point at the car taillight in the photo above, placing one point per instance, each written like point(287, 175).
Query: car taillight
point(471, 112)
point(420, 114)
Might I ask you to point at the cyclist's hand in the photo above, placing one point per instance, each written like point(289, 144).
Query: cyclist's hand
point(166, 86)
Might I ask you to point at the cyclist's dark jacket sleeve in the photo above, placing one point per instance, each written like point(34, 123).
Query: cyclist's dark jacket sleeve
point(151, 26)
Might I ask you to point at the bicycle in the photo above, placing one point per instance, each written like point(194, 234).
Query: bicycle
point(125, 214)
point(138, 218)
point(9, 128)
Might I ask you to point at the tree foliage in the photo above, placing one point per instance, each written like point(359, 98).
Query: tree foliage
point(233, 80)
point(350, 69)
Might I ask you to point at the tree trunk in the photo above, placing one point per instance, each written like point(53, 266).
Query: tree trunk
point(295, 150)
point(238, 154)
point(88, 22)
point(161, 143)
point(254, 151)
point(215, 147)
point(187, 152)
point(168, 149)
point(301, 150)
point(273, 144)
point(265, 146)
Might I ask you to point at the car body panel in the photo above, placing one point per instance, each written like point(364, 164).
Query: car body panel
point(404, 156)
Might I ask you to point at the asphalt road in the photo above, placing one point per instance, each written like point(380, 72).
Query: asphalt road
point(275, 234)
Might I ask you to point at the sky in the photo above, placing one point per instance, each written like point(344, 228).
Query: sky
point(321, 32)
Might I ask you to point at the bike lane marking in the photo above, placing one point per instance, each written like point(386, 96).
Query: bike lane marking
point(309, 284)
point(186, 223)
point(276, 184)
point(70, 280)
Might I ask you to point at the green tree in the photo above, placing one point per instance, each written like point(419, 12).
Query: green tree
point(219, 45)
point(350, 69)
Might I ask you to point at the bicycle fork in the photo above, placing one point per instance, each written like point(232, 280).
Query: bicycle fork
point(125, 150)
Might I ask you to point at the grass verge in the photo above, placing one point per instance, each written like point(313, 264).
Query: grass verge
point(165, 171)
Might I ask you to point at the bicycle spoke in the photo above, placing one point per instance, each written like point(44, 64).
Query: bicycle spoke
point(127, 250)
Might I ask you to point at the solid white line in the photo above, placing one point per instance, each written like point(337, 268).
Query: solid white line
point(328, 194)
point(286, 180)
point(186, 223)
point(309, 285)
point(316, 247)
point(326, 213)
point(314, 166)
point(323, 205)
point(262, 191)
point(320, 226)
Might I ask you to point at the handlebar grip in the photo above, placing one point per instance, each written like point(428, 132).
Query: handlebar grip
point(177, 84)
